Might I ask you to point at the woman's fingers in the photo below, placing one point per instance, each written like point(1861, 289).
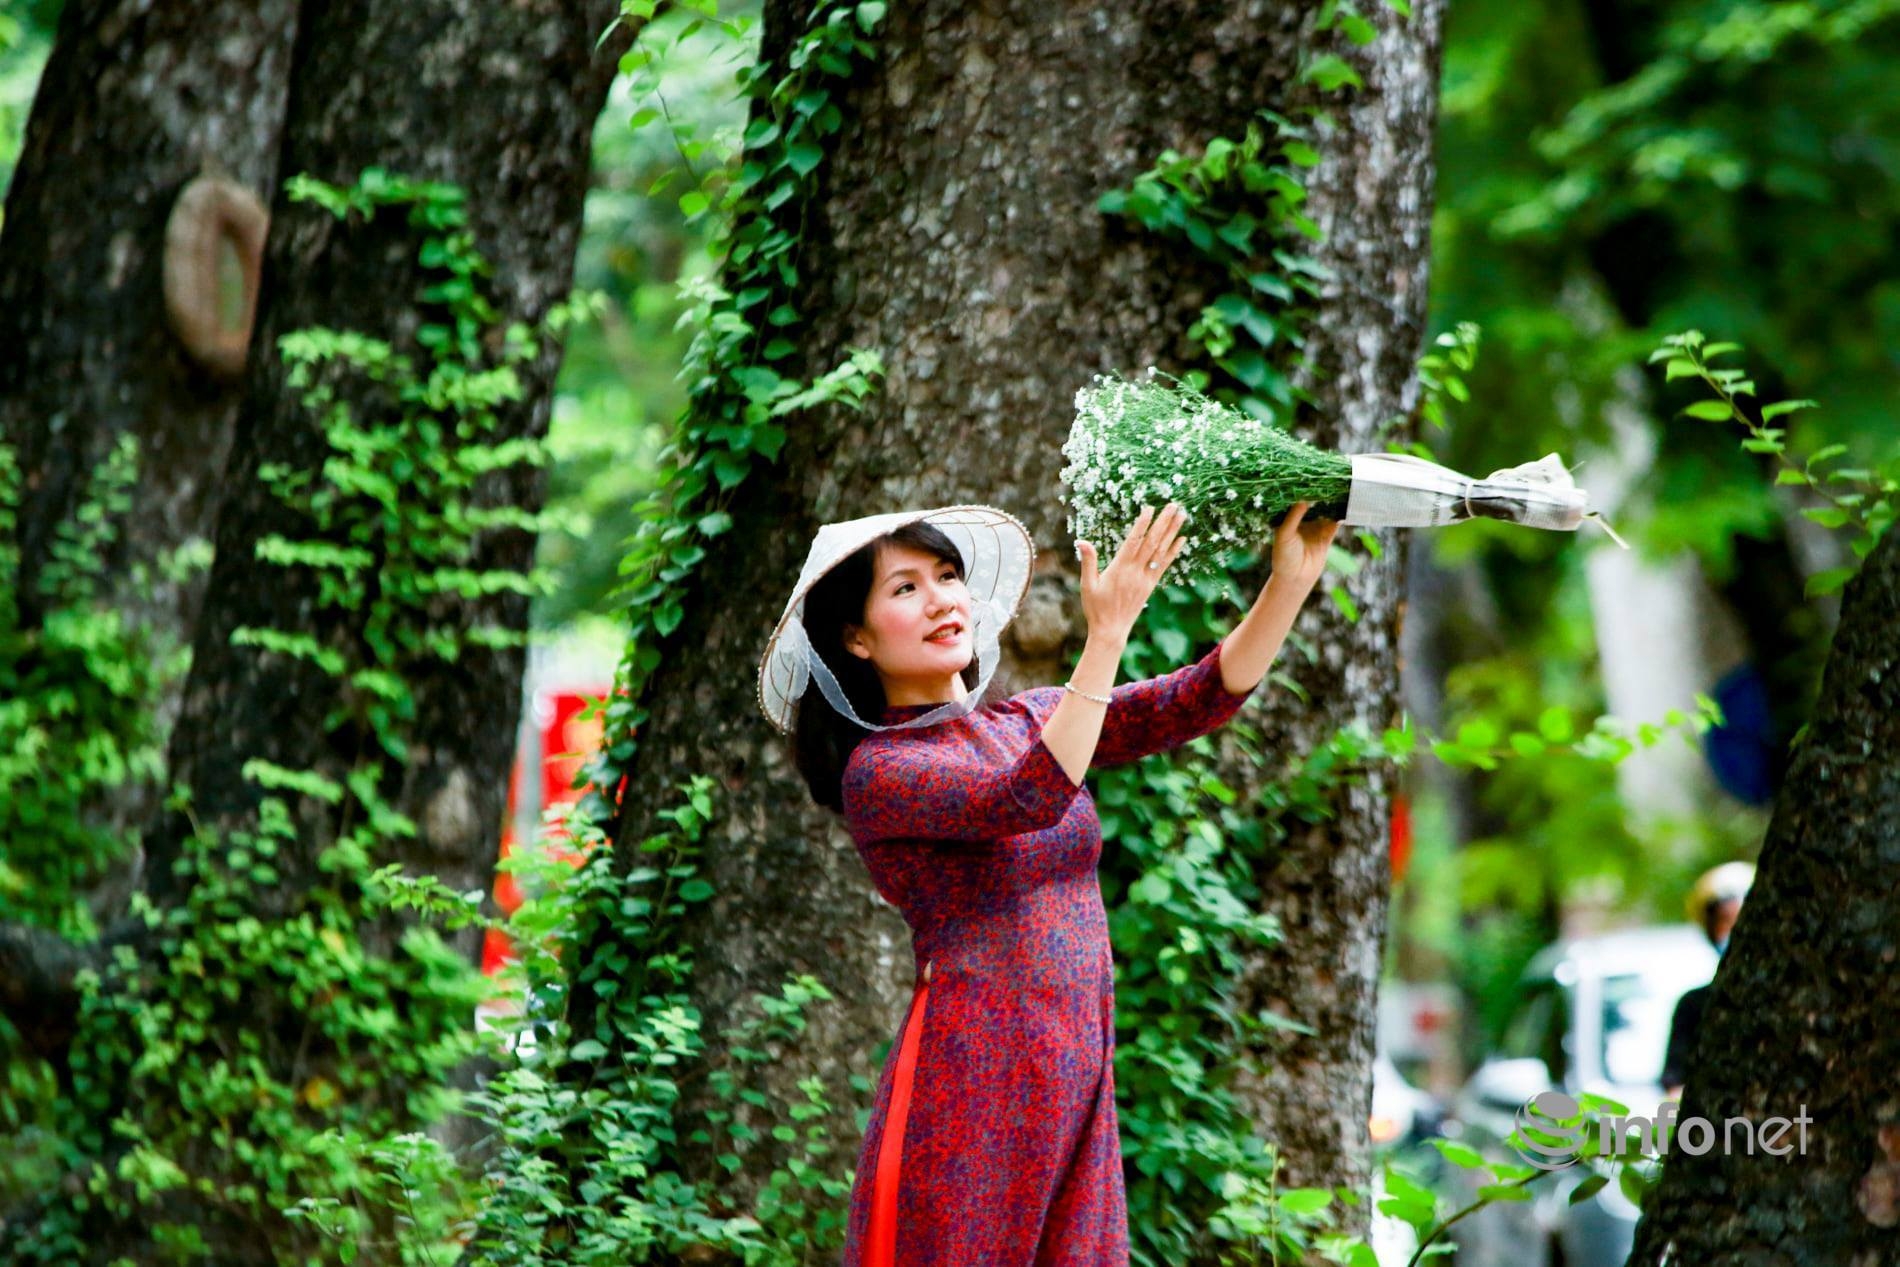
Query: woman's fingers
point(1152, 538)
point(1085, 551)
point(1162, 531)
point(1170, 533)
point(1136, 531)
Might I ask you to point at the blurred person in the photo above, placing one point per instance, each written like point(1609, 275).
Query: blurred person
point(1714, 903)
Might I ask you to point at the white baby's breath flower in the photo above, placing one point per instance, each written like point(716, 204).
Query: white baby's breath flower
point(1159, 440)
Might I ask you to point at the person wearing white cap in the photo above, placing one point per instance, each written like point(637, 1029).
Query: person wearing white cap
point(993, 1136)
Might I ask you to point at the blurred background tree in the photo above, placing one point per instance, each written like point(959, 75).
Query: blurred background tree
point(1609, 172)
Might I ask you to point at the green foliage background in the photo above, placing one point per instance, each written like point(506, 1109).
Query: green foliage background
point(1607, 173)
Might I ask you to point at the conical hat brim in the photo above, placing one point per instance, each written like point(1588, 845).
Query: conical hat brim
point(998, 557)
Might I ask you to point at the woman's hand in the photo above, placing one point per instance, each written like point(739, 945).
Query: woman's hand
point(1114, 597)
point(1299, 548)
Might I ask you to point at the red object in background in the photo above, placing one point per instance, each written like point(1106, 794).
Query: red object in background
point(565, 743)
point(1401, 836)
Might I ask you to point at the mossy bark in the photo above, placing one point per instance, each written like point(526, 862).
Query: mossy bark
point(501, 100)
point(135, 101)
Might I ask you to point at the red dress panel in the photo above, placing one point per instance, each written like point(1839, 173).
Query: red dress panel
point(993, 1140)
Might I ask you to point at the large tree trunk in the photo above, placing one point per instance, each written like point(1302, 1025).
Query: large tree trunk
point(500, 100)
point(1372, 194)
point(1800, 1018)
point(134, 103)
point(417, 89)
point(955, 231)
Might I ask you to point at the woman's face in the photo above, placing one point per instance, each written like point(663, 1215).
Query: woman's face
point(913, 595)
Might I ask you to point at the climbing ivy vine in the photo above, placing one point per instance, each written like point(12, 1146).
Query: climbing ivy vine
point(237, 1067)
point(739, 367)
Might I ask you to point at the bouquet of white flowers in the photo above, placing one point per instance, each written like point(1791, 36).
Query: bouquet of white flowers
point(1159, 440)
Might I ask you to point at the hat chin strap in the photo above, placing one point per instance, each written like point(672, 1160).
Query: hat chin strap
point(988, 620)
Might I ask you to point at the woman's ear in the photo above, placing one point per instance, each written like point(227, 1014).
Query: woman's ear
point(854, 643)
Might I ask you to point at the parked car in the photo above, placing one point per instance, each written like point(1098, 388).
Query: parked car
point(1592, 1016)
point(1403, 1116)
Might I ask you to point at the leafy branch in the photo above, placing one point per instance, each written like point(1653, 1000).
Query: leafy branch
point(1861, 498)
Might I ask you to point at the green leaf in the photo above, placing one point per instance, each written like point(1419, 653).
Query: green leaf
point(692, 202)
point(1152, 889)
point(1680, 368)
point(1829, 581)
point(1461, 1155)
point(1788, 475)
point(1770, 412)
point(1589, 1188)
point(1329, 71)
point(1357, 29)
point(1305, 1200)
point(1826, 516)
point(1417, 1213)
point(1633, 1184)
point(1554, 725)
point(1402, 1185)
point(1171, 643)
point(1712, 410)
point(803, 156)
point(1274, 1020)
point(1504, 1192)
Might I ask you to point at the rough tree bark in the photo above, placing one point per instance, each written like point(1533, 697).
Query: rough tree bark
point(500, 100)
point(1800, 1016)
point(1372, 194)
point(955, 230)
point(134, 102)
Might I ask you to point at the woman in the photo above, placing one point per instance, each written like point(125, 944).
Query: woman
point(992, 1139)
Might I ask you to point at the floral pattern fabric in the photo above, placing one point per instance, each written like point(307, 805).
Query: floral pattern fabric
point(1005, 1150)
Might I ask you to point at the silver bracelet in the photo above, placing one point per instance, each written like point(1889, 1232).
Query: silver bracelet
point(1070, 686)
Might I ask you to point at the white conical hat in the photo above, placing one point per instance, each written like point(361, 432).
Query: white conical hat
point(997, 558)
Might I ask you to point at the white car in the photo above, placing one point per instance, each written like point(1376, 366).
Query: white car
point(1593, 1016)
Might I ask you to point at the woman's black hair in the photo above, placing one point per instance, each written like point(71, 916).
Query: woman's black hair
point(822, 737)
